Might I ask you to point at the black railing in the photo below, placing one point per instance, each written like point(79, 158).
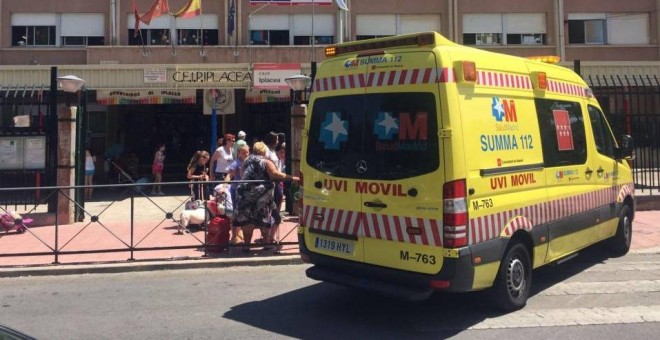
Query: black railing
point(632, 104)
point(129, 221)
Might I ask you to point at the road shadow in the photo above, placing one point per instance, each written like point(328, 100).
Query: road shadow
point(328, 311)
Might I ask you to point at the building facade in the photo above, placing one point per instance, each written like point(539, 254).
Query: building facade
point(158, 83)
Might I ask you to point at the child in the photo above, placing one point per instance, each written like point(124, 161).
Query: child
point(90, 168)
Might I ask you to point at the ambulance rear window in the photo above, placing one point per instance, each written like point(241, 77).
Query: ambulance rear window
point(383, 136)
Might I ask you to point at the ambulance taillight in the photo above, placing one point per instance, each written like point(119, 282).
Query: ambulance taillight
point(455, 214)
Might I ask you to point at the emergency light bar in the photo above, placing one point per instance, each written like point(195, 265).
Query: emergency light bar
point(548, 59)
point(418, 40)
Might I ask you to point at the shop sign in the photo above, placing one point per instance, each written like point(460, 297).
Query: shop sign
point(228, 78)
point(255, 96)
point(155, 75)
point(131, 97)
point(272, 76)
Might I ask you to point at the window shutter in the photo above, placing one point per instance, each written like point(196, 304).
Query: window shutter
point(204, 21)
point(628, 28)
point(34, 19)
point(269, 22)
point(419, 23)
point(482, 23)
point(82, 25)
point(323, 24)
point(376, 24)
point(519, 23)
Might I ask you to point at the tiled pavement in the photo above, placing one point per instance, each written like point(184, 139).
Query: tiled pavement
point(152, 229)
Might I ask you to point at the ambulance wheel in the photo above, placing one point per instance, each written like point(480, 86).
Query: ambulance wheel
point(514, 278)
point(620, 244)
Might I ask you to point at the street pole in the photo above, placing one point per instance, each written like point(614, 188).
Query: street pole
point(288, 206)
point(52, 139)
point(79, 171)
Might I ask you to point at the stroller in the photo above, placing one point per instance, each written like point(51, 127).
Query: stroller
point(12, 220)
point(124, 177)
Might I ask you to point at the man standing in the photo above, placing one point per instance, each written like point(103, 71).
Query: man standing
point(240, 141)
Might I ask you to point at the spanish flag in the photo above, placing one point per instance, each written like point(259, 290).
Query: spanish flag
point(191, 10)
point(158, 8)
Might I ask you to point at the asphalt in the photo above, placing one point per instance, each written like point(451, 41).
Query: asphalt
point(152, 230)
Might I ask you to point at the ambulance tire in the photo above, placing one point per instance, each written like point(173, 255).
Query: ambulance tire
point(619, 245)
point(514, 278)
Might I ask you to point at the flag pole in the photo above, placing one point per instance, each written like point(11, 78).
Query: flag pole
point(172, 30)
point(201, 30)
point(313, 37)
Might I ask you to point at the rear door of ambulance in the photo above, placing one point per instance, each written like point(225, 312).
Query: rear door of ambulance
point(375, 149)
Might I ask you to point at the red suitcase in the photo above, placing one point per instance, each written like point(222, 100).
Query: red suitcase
point(218, 234)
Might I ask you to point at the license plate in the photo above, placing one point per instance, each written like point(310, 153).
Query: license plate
point(333, 245)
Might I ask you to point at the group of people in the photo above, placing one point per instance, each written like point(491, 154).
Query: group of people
point(256, 182)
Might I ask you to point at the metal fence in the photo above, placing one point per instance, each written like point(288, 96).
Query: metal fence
point(121, 223)
point(633, 107)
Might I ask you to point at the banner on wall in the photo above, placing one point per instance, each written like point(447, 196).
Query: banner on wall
point(222, 99)
point(256, 96)
point(150, 96)
point(271, 76)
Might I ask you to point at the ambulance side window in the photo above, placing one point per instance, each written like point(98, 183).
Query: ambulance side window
point(562, 132)
point(602, 134)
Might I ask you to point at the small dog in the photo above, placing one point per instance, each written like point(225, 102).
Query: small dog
point(188, 217)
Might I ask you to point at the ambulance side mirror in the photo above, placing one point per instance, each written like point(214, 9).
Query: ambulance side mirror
point(626, 148)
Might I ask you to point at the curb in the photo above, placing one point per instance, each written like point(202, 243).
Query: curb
point(125, 267)
point(173, 264)
point(655, 250)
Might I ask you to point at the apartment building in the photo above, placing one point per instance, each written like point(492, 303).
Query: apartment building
point(158, 81)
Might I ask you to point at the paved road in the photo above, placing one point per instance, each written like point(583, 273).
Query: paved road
point(589, 297)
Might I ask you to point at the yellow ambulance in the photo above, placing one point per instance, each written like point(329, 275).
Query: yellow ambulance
point(430, 166)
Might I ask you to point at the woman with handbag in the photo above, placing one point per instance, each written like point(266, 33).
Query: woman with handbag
point(198, 172)
point(255, 198)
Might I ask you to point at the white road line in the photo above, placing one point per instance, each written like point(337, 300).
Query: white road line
point(573, 316)
point(586, 288)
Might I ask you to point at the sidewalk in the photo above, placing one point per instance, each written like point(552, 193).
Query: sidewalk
point(152, 229)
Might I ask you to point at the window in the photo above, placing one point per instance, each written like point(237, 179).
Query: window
point(525, 39)
point(82, 29)
point(33, 36)
point(365, 37)
point(608, 28)
point(192, 37)
point(187, 32)
point(269, 37)
point(323, 29)
point(504, 29)
point(57, 29)
point(602, 134)
point(269, 29)
point(389, 134)
point(318, 40)
point(83, 41)
point(586, 31)
point(370, 26)
point(562, 132)
point(482, 39)
point(34, 29)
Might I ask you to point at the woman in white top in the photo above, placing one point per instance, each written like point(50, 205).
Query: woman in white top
point(223, 158)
